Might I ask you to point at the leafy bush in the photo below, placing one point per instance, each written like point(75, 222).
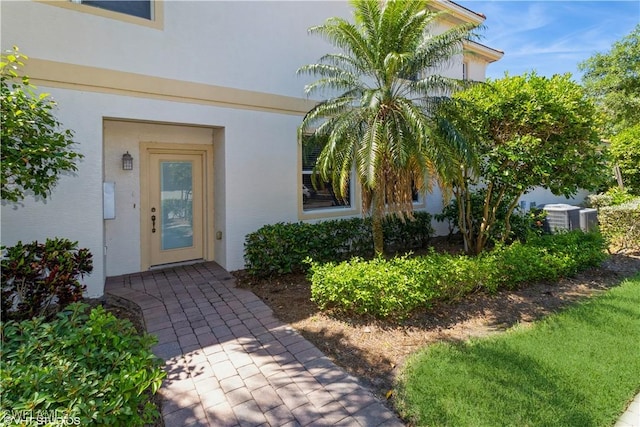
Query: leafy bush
point(395, 287)
point(625, 149)
point(29, 130)
point(37, 275)
point(282, 248)
point(612, 197)
point(93, 369)
point(545, 258)
point(620, 225)
point(378, 286)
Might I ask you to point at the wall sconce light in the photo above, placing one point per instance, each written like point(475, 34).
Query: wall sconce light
point(127, 162)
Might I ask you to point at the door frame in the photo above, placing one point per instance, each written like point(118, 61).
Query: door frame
point(205, 151)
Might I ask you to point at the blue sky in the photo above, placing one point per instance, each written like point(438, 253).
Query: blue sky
point(552, 37)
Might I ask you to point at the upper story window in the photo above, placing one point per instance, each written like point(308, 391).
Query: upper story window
point(139, 8)
point(321, 195)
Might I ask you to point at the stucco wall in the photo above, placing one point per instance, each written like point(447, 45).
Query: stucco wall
point(122, 233)
point(255, 45)
point(74, 209)
point(249, 45)
point(255, 190)
point(540, 196)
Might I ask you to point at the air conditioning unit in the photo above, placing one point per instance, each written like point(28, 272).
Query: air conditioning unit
point(588, 219)
point(562, 217)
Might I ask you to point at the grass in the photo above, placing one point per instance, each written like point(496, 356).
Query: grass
point(580, 367)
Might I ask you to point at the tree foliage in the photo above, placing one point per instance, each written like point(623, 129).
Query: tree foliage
point(383, 86)
point(613, 80)
point(625, 150)
point(35, 151)
point(529, 131)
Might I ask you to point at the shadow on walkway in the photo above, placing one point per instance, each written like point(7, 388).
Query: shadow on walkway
point(230, 362)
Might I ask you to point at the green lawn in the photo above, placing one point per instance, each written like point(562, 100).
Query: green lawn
point(580, 367)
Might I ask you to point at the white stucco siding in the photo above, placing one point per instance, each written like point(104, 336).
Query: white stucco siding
point(261, 170)
point(250, 45)
point(541, 196)
point(476, 69)
point(74, 209)
point(258, 186)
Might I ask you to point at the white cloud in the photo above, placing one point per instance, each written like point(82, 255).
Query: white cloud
point(552, 36)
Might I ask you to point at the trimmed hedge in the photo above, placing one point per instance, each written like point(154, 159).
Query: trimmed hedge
point(620, 225)
point(86, 368)
point(283, 247)
point(546, 257)
point(392, 287)
point(397, 286)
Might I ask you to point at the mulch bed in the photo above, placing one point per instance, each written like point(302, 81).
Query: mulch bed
point(374, 350)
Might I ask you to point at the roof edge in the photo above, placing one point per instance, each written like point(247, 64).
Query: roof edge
point(457, 11)
point(487, 52)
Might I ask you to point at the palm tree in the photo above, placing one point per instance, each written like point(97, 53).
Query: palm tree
point(384, 87)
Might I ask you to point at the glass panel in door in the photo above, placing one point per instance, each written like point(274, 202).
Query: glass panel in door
point(175, 226)
point(176, 195)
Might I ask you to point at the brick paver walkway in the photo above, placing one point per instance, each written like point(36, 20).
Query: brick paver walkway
point(230, 362)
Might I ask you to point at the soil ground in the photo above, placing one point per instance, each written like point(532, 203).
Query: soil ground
point(374, 350)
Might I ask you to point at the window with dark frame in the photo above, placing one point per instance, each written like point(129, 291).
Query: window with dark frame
point(321, 195)
point(139, 8)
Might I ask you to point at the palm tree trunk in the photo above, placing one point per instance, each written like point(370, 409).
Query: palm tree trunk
point(464, 216)
point(376, 220)
point(378, 234)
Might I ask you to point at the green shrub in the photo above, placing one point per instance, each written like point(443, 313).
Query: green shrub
point(395, 287)
point(625, 149)
point(579, 250)
point(545, 258)
point(377, 286)
point(35, 276)
point(283, 247)
point(612, 197)
point(93, 369)
point(620, 225)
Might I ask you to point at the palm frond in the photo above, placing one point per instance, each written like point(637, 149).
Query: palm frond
point(379, 121)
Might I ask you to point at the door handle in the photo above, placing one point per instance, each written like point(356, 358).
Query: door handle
point(153, 223)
